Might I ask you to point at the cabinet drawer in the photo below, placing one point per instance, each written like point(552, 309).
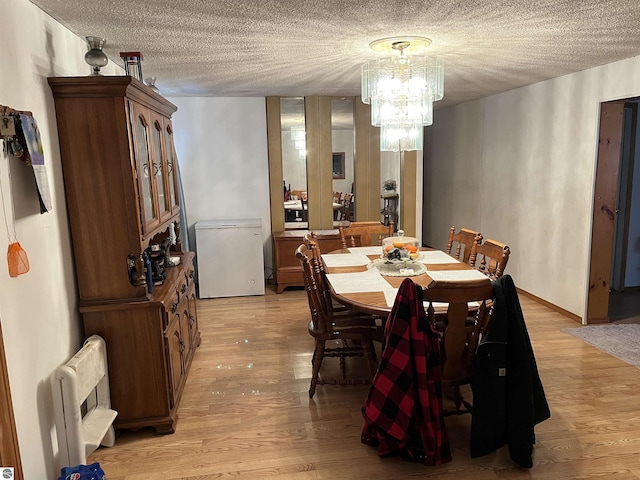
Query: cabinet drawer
point(190, 274)
point(290, 275)
point(182, 286)
point(189, 271)
point(171, 307)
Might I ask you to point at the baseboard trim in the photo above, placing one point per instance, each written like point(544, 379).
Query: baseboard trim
point(553, 307)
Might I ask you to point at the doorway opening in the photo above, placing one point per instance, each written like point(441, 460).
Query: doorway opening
point(614, 271)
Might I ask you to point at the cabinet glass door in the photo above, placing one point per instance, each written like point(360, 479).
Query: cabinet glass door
point(160, 170)
point(145, 170)
point(172, 169)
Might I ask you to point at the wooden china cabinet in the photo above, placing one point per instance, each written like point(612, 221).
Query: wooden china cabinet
point(121, 185)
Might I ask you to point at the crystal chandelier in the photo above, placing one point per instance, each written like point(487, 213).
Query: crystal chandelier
point(401, 90)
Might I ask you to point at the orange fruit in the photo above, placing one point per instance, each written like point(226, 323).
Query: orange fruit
point(398, 244)
point(411, 248)
point(388, 247)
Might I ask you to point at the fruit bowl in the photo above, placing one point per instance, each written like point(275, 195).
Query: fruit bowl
point(398, 268)
point(399, 257)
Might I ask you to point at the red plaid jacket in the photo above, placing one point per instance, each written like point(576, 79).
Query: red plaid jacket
point(403, 412)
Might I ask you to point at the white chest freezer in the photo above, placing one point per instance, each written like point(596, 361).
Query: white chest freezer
point(230, 261)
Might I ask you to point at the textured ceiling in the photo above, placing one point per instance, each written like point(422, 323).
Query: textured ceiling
point(316, 47)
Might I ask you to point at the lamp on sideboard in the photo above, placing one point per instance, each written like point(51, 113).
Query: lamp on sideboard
point(95, 57)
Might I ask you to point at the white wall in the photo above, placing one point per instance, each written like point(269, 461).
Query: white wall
point(221, 145)
point(38, 310)
point(519, 167)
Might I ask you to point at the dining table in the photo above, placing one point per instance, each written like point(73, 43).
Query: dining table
point(357, 276)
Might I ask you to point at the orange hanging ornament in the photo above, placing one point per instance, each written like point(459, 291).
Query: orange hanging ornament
point(17, 260)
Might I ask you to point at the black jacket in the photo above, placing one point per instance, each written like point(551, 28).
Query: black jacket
point(508, 397)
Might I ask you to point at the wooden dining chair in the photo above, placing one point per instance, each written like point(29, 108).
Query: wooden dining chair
point(360, 234)
point(346, 207)
point(305, 208)
point(337, 198)
point(297, 194)
point(345, 340)
point(343, 315)
point(346, 212)
point(490, 257)
point(459, 342)
point(311, 241)
point(463, 241)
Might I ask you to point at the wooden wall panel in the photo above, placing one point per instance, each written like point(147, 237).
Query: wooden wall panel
point(274, 146)
point(367, 165)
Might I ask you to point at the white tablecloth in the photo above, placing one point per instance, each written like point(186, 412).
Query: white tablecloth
point(345, 259)
point(367, 281)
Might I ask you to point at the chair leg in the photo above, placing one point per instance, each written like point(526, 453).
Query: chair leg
point(457, 397)
point(370, 353)
point(343, 367)
point(343, 361)
point(316, 363)
point(459, 402)
point(374, 357)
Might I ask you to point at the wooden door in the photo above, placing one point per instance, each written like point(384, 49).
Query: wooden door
point(625, 197)
point(9, 451)
point(604, 210)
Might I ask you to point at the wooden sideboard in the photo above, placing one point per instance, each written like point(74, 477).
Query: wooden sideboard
point(288, 269)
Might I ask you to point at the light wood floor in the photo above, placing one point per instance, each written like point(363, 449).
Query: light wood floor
point(245, 412)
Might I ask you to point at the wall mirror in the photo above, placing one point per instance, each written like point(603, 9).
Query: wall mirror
point(294, 162)
point(336, 124)
point(390, 188)
point(342, 142)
